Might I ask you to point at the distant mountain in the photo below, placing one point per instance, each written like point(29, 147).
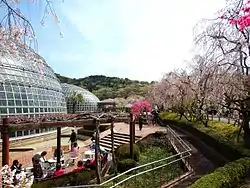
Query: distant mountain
point(105, 87)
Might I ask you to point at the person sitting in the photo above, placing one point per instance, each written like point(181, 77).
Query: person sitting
point(88, 165)
point(59, 171)
point(94, 162)
point(61, 155)
point(80, 166)
point(16, 166)
point(37, 169)
point(40, 156)
point(43, 159)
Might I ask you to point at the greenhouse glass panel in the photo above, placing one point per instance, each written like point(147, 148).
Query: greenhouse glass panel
point(27, 85)
point(89, 99)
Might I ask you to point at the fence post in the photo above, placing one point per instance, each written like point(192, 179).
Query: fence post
point(58, 146)
point(131, 128)
point(97, 150)
point(5, 142)
point(112, 143)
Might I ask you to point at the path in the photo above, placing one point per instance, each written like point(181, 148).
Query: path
point(204, 159)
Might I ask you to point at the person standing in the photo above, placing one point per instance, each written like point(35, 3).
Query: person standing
point(73, 138)
point(93, 136)
point(140, 121)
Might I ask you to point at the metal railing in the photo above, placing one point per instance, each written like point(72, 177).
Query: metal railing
point(183, 152)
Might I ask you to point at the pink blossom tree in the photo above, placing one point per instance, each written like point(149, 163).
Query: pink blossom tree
point(140, 107)
point(16, 32)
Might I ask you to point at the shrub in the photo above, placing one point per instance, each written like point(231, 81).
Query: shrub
point(69, 179)
point(126, 164)
point(157, 139)
point(169, 115)
point(229, 176)
point(123, 152)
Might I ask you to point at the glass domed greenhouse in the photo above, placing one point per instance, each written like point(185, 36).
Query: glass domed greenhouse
point(90, 101)
point(28, 86)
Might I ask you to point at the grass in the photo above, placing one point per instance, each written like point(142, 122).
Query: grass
point(157, 177)
point(154, 178)
point(220, 131)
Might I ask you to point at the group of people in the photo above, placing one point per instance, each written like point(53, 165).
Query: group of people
point(41, 165)
point(143, 117)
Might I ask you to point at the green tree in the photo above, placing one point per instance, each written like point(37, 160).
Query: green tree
point(74, 99)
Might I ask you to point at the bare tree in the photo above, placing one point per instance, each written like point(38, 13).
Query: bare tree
point(229, 44)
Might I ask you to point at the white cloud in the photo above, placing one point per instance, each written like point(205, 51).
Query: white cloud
point(149, 37)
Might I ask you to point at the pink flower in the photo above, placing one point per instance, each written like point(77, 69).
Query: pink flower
point(232, 21)
point(140, 107)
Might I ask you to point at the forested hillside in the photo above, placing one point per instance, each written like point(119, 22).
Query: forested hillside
point(109, 87)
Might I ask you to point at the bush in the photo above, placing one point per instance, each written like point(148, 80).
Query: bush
point(157, 139)
point(123, 152)
point(169, 115)
point(126, 164)
point(229, 176)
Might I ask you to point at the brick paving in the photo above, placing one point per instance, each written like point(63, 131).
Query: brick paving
point(25, 157)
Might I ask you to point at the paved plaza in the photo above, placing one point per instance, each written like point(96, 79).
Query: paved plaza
point(25, 157)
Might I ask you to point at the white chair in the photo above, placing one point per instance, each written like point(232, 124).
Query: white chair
point(29, 169)
point(88, 155)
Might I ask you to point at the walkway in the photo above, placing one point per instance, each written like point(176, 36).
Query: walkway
point(204, 159)
point(25, 157)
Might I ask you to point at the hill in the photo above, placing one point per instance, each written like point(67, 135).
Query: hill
point(109, 87)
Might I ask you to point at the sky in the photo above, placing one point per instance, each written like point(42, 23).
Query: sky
point(135, 39)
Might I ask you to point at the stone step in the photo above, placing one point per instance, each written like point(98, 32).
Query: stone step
point(109, 142)
point(108, 139)
point(118, 138)
point(107, 149)
point(125, 135)
point(107, 146)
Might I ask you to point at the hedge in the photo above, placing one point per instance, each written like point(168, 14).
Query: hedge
point(228, 176)
point(220, 135)
point(123, 152)
point(69, 179)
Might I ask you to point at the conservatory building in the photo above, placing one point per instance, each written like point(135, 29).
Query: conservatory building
point(89, 103)
point(29, 87)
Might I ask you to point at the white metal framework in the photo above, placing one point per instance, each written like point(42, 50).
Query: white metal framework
point(29, 88)
point(89, 99)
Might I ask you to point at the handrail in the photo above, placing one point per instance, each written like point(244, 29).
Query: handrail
point(132, 169)
point(143, 172)
point(183, 155)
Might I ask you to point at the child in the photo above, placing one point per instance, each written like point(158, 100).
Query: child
point(74, 152)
